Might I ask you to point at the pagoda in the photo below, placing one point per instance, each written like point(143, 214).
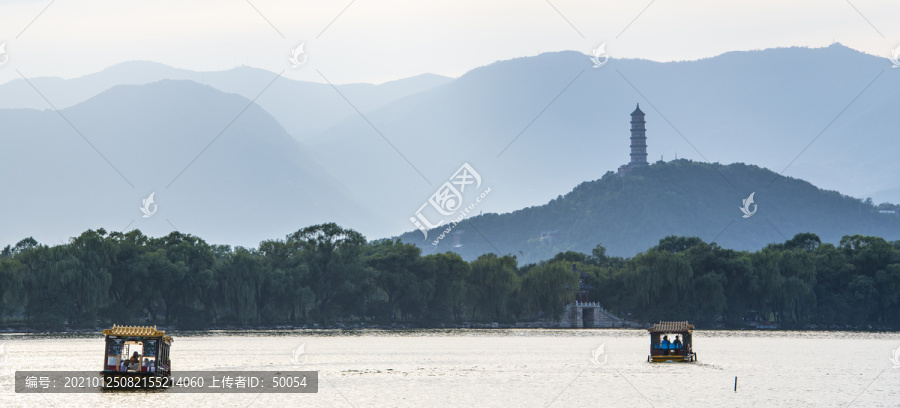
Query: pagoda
point(638, 142)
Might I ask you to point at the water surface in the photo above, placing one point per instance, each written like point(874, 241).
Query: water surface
point(522, 368)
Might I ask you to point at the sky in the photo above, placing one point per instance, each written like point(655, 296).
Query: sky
point(376, 41)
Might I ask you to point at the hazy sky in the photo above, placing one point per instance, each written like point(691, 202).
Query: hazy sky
point(375, 41)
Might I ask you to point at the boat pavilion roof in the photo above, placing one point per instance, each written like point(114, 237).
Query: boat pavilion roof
point(671, 327)
point(137, 331)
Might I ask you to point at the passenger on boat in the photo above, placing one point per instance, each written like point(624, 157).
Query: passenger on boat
point(677, 345)
point(134, 363)
point(147, 366)
point(665, 346)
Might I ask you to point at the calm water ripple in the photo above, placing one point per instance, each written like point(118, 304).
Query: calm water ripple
point(521, 368)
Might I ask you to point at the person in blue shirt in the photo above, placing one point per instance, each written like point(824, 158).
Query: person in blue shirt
point(677, 345)
point(665, 346)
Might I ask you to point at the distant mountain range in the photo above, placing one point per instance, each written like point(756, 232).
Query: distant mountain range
point(233, 183)
point(631, 213)
point(816, 114)
point(303, 108)
point(532, 127)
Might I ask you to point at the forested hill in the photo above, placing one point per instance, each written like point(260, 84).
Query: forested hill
point(681, 197)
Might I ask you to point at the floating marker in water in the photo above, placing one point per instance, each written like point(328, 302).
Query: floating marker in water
point(735, 384)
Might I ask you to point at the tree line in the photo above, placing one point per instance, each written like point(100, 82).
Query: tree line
point(325, 274)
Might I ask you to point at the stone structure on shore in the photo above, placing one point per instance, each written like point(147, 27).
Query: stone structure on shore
point(589, 315)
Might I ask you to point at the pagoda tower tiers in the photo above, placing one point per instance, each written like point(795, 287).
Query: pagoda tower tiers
point(638, 138)
point(638, 142)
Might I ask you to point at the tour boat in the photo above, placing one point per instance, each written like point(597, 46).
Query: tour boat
point(666, 350)
point(136, 357)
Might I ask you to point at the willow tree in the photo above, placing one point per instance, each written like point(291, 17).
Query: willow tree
point(450, 273)
point(11, 289)
point(87, 273)
point(290, 278)
point(398, 273)
point(769, 299)
point(133, 293)
point(492, 283)
point(241, 279)
point(798, 299)
point(190, 295)
point(660, 282)
point(547, 288)
point(337, 275)
point(168, 277)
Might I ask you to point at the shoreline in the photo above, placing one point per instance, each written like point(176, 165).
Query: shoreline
point(409, 327)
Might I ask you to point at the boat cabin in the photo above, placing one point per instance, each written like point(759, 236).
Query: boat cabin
point(671, 342)
point(136, 351)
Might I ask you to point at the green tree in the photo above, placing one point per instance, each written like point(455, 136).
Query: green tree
point(450, 274)
point(397, 273)
point(549, 287)
point(492, 283)
point(337, 274)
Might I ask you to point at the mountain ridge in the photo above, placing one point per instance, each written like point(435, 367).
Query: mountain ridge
point(628, 214)
point(536, 126)
point(302, 107)
point(217, 163)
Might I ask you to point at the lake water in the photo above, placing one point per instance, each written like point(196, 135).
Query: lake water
point(514, 368)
